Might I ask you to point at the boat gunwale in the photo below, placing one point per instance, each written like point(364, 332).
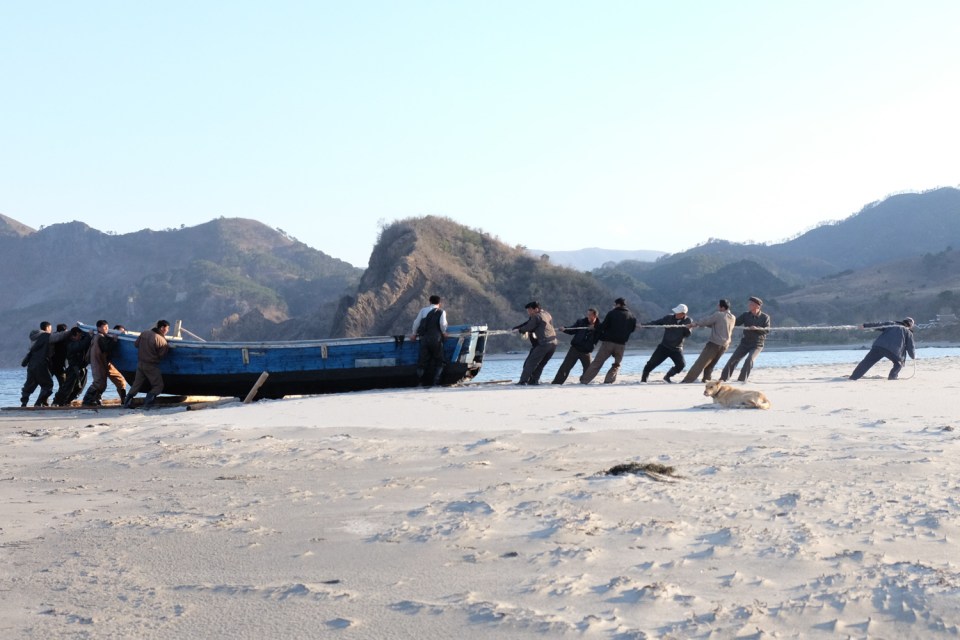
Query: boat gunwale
point(455, 332)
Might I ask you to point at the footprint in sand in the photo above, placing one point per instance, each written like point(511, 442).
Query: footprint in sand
point(340, 623)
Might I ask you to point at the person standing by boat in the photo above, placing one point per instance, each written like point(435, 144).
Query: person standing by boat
point(429, 329)
point(151, 347)
point(58, 358)
point(101, 349)
point(37, 362)
point(721, 324)
point(756, 326)
point(671, 345)
point(76, 378)
point(584, 332)
point(614, 332)
point(543, 342)
point(894, 343)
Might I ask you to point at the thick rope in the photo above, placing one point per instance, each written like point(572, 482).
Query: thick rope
point(837, 327)
point(834, 327)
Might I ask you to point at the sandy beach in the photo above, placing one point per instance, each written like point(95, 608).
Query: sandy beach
point(485, 512)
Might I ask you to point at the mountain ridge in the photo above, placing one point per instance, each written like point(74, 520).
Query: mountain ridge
point(237, 279)
point(208, 275)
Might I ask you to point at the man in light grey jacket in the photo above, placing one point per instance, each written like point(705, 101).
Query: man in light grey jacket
point(721, 325)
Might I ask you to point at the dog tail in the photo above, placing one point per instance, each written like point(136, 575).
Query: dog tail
point(763, 403)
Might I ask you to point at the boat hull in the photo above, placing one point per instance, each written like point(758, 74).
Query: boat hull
point(304, 367)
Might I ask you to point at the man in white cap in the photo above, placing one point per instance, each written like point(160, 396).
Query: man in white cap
point(894, 343)
point(671, 346)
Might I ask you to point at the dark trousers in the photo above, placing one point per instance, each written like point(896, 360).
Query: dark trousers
point(431, 362)
point(660, 354)
point(536, 360)
point(751, 352)
point(37, 376)
point(71, 388)
point(874, 356)
point(573, 356)
point(705, 363)
point(59, 373)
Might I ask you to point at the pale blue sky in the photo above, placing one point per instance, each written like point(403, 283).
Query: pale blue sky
point(557, 125)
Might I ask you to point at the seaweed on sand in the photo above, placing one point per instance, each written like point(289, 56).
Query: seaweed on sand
point(652, 470)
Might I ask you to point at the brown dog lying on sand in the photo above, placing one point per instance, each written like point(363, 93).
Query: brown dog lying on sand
point(730, 397)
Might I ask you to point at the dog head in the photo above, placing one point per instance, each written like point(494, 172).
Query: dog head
point(712, 388)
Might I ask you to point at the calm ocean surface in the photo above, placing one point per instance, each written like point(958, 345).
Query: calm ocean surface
point(507, 367)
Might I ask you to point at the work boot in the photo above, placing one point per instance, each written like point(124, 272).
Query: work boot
point(148, 400)
point(643, 378)
point(123, 396)
point(128, 400)
point(437, 375)
point(91, 399)
point(667, 377)
point(43, 398)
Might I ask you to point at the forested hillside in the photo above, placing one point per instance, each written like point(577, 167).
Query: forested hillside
point(207, 276)
point(482, 279)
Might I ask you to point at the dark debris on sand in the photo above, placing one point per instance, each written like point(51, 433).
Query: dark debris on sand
point(652, 470)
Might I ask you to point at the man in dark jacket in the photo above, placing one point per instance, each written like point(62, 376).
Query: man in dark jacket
point(615, 330)
point(894, 343)
point(756, 326)
point(37, 362)
point(671, 346)
point(58, 359)
point(584, 332)
point(430, 329)
point(543, 342)
point(76, 377)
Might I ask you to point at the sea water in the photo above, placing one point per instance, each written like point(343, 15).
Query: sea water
point(503, 367)
point(508, 366)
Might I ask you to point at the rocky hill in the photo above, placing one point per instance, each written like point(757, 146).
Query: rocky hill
point(12, 228)
point(209, 276)
point(481, 279)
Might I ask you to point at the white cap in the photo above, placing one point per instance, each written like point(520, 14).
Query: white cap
point(680, 308)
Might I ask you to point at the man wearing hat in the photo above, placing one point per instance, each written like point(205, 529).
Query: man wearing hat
point(894, 343)
point(671, 346)
point(756, 326)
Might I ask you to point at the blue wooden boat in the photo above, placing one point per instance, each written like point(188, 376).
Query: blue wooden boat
point(194, 367)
